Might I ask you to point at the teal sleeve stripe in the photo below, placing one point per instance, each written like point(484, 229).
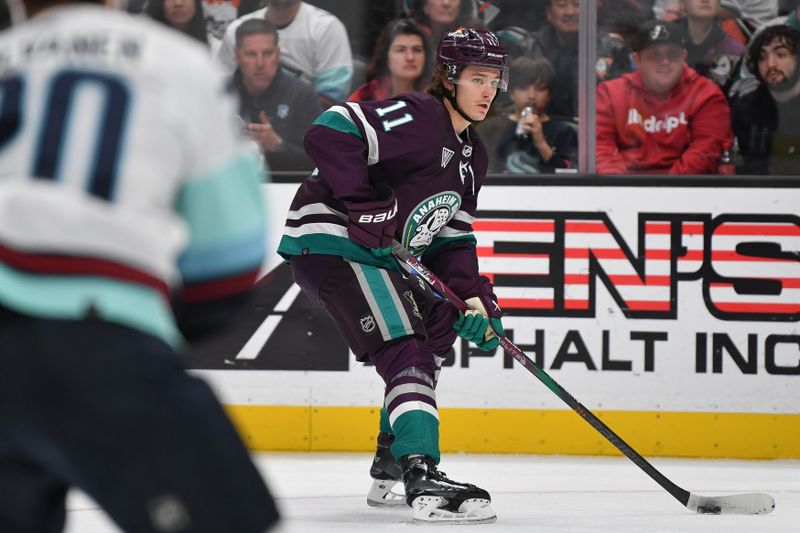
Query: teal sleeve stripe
point(70, 297)
point(440, 243)
point(224, 205)
point(336, 121)
point(334, 82)
point(226, 259)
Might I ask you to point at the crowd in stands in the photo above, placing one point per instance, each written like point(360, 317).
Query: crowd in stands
point(681, 84)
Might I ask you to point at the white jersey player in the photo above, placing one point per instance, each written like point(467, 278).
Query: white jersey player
point(124, 189)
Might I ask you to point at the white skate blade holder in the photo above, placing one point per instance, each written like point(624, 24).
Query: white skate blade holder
point(428, 509)
point(384, 494)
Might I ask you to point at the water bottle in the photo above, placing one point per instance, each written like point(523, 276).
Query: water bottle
point(521, 133)
point(725, 163)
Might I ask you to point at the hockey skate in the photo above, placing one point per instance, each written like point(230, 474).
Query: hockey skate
point(387, 478)
point(435, 498)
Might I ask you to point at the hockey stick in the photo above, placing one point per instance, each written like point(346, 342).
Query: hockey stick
point(753, 503)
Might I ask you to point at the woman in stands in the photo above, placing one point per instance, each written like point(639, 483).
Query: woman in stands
point(400, 63)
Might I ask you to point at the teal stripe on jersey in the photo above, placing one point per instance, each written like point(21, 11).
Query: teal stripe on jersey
point(336, 121)
point(320, 243)
point(416, 432)
point(226, 221)
point(70, 297)
point(388, 301)
point(334, 82)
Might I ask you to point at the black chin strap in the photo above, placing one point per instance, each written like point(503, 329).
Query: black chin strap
point(453, 98)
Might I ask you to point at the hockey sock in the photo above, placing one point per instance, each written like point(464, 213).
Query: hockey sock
point(411, 407)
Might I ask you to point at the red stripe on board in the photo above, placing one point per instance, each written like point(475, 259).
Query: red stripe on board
point(535, 226)
point(61, 265)
point(730, 255)
point(693, 228)
point(525, 303)
point(633, 305)
point(612, 253)
point(488, 251)
point(692, 255)
point(759, 308)
point(757, 229)
point(586, 226)
point(620, 280)
point(213, 290)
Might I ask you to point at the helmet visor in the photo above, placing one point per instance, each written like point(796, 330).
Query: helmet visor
point(480, 78)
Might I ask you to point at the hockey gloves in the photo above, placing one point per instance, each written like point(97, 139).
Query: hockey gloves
point(372, 224)
point(473, 325)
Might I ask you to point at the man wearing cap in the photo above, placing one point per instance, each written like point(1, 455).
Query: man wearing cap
point(767, 120)
point(664, 118)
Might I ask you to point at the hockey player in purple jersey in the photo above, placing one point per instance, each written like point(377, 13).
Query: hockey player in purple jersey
point(408, 169)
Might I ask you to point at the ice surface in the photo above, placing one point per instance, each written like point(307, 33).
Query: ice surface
point(323, 492)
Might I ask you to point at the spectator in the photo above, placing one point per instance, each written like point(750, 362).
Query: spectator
point(185, 16)
point(767, 120)
point(544, 144)
point(754, 12)
point(558, 42)
point(278, 108)
point(400, 62)
point(747, 80)
point(314, 46)
point(439, 16)
point(710, 51)
point(623, 17)
point(668, 10)
point(219, 14)
point(664, 118)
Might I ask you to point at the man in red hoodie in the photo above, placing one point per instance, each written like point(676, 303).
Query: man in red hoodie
point(663, 118)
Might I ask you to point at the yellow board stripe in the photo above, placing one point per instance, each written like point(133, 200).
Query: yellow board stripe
point(672, 434)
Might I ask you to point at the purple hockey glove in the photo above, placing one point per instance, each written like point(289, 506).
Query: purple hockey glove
point(474, 324)
point(372, 224)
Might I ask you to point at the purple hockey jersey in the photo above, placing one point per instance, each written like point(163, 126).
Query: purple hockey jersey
point(407, 143)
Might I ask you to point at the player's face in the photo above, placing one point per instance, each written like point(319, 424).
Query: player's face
point(179, 12)
point(776, 63)
point(535, 95)
point(661, 66)
point(564, 15)
point(702, 8)
point(442, 11)
point(258, 60)
point(406, 57)
point(477, 87)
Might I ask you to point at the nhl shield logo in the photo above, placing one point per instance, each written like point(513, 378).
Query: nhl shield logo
point(367, 324)
point(467, 150)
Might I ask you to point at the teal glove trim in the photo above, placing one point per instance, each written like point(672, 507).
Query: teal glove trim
point(494, 342)
point(471, 327)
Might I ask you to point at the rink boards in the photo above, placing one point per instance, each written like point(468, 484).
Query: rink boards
point(671, 311)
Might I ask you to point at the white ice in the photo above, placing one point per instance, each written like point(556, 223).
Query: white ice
point(321, 492)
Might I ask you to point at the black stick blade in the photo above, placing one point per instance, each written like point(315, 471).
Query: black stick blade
point(754, 503)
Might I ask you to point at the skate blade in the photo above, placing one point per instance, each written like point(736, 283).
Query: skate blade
point(382, 495)
point(428, 509)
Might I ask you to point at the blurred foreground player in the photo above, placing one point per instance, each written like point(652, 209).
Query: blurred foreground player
point(408, 169)
point(120, 175)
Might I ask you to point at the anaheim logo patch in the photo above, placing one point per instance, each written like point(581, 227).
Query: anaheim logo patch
point(428, 218)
